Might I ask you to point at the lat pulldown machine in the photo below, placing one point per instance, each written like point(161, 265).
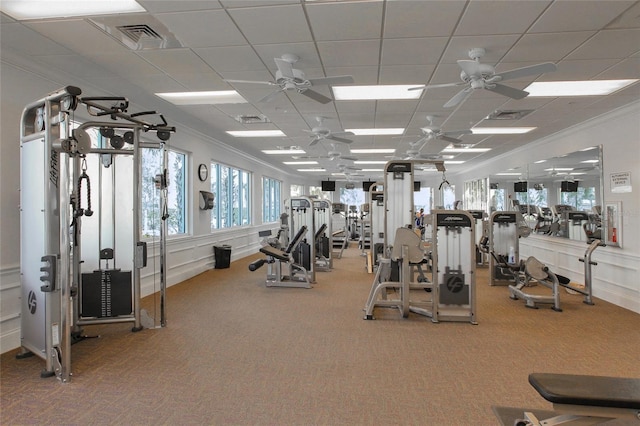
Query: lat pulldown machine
point(68, 226)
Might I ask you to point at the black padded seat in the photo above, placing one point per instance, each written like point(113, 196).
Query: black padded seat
point(274, 252)
point(595, 391)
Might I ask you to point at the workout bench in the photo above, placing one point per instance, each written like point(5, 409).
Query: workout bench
point(580, 397)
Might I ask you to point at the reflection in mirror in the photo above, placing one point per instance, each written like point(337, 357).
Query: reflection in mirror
point(560, 196)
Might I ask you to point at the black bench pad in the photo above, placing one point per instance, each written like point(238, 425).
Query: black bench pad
point(596, 391)
point(274, 252)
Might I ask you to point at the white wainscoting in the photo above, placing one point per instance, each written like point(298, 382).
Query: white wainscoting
point(186, 258)
point(614, 278)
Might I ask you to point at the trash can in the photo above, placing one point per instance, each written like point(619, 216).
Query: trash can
point(222, 256)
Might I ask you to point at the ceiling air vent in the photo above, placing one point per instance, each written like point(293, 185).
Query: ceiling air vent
point(250, 119)
point(508, 114)
point(139, 32)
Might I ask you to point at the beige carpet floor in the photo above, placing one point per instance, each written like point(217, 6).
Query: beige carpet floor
point(237, 353)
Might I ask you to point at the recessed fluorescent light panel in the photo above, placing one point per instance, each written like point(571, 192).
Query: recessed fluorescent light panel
point(311, 170)
point(468, 150)
point(43, 9)
point(501, 130)
point(372, 170)
point(370, 162)
point(256, 133)
point(203, 98)
point(454, 162)
point(377, 92)
point(283, 151)
point(590, 161)
point(373, 151)
point(299, 163)
point(508, 174)
point(577, 88)
point(377, 132)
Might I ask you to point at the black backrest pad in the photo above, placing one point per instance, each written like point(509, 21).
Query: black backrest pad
point(298, 237)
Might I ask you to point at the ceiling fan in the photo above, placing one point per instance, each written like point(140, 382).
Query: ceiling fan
point(321, 132)
point(434, 132)
point(332, 154)
point(289, 78)
point(476, 75)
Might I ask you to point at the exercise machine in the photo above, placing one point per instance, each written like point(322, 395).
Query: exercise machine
point(365, 228)
point(479, 217)
point(339, 235)
point(376, 221)
point(301, 213)
point(534, 269)
point(323, 238)
point(503, 244)
point(282, 268)
point(77, 266)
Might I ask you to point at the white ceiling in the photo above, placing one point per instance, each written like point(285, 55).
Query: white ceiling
point(377, 42)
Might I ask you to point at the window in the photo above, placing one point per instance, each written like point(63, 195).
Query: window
point(232, 191)
point(271, 199)
point(448, 195)
point(318, 192)
point(352, 197)
point(583, 200)
point(423, 200)
point(176, 192)
point(297, 190)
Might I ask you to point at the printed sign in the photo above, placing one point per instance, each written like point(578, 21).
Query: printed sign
point(620, 182)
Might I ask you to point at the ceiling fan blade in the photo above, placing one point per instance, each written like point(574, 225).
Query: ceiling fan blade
point(508, 91)
point(330, 81)
point(339, 139)
point(270, 83)
point(460, 97)
point(457, 132)
point(348, 157)
point(315, 140)
point(285, 68)
point(526, 71)
point(435, 146)
point(449, 138)
point(318, 97)
point(270, 96)
point(470, 67)
point(436, 86)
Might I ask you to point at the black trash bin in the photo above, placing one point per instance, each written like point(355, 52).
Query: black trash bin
point(222, 256)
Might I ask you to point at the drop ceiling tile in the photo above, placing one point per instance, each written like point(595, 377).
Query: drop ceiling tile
point(155, 83)
point(201, 81)
point(155, 6)
point(609, 44)
point(406, 74)
point(362, 75)
point(66, 33)
point(413, 51)
point(345, 21)
point(421, 18)
point(546, 47)
point(499, 17)
point(178, 61)
point(30, 42)
point(208, 28)
point(229, 4)
point(629, 68)
point(583, 15)
point(231, 58)
point(125, 64)
point(349, 53)
point(75, 65)
point(272, 24)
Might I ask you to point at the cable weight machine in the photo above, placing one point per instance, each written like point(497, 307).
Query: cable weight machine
point(68, 225)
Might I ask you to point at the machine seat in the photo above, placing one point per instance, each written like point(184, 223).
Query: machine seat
point(595, 391)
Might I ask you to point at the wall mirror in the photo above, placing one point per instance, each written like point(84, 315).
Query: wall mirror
point(559, 196)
